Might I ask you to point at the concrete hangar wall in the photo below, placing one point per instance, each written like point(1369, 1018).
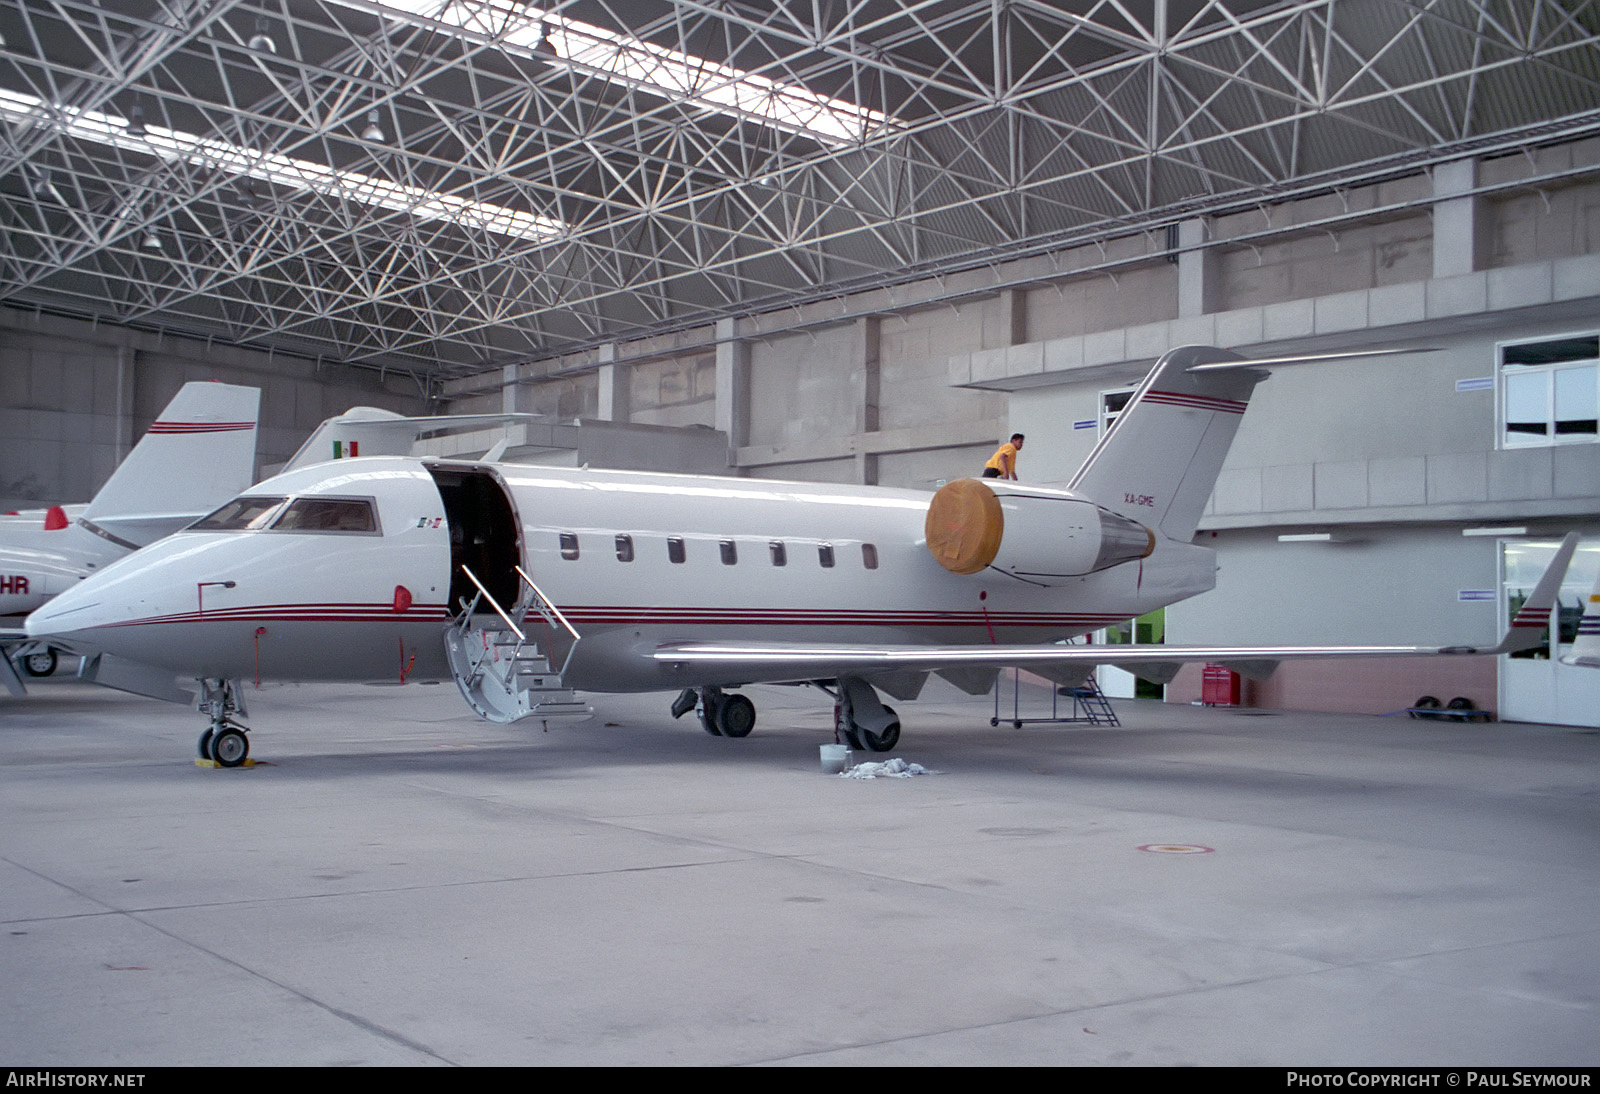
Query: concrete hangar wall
point(1391, 459)
point(76, 396)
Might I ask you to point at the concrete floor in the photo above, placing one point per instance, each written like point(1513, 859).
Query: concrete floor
point(403, 884)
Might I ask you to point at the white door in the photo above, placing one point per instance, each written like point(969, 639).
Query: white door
point(1534, 685)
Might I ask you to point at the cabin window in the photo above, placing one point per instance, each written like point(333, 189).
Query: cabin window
point(730, 552)
point(825, 555)
point(240, 515)
point(569, 545)
point(675, 551)
point(780, 554)
point(327, 515)
point(869, 556)
point(624, 548)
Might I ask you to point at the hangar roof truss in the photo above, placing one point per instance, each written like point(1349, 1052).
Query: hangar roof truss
point(445, 186)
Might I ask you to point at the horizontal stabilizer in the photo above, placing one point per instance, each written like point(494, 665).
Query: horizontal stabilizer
point(1302, 359)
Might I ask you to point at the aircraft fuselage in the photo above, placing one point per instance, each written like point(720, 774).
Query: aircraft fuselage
point(631, 559)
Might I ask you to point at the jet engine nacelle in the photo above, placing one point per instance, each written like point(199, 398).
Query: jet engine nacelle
point(1032, 533)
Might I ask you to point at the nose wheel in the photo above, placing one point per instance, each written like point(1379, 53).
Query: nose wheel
point(224, 741)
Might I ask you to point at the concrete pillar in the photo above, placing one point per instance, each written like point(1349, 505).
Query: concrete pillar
point(733, 387)
point(614, 386)
point(1198, 280)
point(510, 390)
point(1014, 317)
point(868, 334)
point(1460, 228)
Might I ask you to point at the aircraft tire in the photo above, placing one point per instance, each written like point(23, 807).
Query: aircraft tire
point(230, 747)
point(42, 663)
point(205, 744)
point(881, 742)
point(736, 716)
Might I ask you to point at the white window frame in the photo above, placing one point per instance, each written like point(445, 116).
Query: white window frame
point(1549, 439)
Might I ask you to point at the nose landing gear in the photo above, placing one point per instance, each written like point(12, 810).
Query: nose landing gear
point(224, 741)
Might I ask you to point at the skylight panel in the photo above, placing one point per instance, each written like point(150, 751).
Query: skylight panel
point(666, 72)
point(281, 171)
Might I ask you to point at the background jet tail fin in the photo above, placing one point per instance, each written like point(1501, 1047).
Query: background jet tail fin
point(369, 431)
point(1158, 462)
point(1527, 629)
point(198, 453)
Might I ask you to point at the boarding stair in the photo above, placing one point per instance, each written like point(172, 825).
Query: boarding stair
point(502, 672)
point(1089, 704)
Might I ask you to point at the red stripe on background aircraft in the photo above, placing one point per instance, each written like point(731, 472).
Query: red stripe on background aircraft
point(629, 581)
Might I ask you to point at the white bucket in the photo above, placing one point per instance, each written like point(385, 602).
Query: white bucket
point(835, 758)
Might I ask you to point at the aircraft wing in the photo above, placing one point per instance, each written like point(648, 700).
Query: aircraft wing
point(783, 662)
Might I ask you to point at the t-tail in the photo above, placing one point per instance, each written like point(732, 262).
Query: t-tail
point(1159, 461)
point(200, 452)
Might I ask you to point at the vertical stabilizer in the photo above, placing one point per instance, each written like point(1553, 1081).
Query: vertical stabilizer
point(200, 452)
point(1158, 462)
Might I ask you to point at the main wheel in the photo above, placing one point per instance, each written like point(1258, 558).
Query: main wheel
point(205, 744)
point(884, 741)
point(42, 663)
point(230, 747)
point(710, 707)
point(736, 716)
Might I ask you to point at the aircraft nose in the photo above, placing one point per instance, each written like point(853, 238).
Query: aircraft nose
point(66, 613)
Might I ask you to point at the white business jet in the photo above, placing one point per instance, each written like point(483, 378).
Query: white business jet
point(521, 582)
point(199, 452)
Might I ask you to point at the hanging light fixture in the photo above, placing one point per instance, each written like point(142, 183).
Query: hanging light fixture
point(373, 132)
point(261, 41)
point(152, 242)
point(136, 121)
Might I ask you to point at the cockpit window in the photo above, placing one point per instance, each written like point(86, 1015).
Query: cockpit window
point(327, 515)
point(240, 515)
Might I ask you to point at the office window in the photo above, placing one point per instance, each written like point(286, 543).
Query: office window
point(624, 548)
point(1549, 392)
point(569, 545)
point(825, 555)
point(780, 554)
point(730, 552)
point(1112, 404)
point(869, 556)
point(675, 551)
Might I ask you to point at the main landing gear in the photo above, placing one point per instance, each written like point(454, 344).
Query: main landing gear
point(224, 741)
point(721, 714)
point(859, 718)
point(861, 721)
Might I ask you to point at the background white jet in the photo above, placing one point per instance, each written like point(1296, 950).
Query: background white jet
point(199, 452)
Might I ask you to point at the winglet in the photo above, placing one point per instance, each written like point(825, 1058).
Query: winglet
point(1527, 629)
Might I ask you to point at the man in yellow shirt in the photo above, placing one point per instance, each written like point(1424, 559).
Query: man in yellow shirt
point(1003, 464)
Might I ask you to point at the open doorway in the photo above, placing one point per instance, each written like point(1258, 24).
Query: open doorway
point(484, 533)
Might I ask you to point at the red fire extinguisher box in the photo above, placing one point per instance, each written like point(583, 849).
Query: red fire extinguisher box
point(1219, 686)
